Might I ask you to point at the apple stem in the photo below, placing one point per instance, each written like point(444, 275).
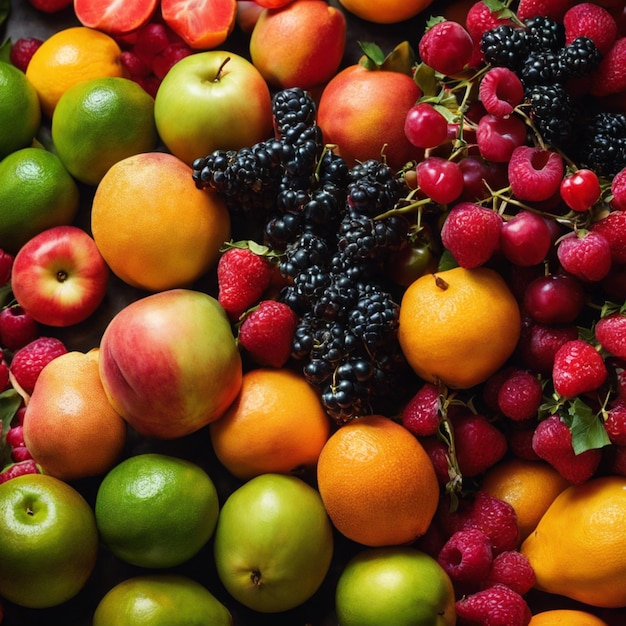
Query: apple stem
point(255, 577)
point(61, 276)
point(219, 70)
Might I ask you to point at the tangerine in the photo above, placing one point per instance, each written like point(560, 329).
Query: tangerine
point(154, 228)
point(385, 11)
point(529, 487)
point(70, 427)
point(566, 617)
point(458, 326)
point(68, 57)
point(377, 482)
point(277, 424)
point(578, 549)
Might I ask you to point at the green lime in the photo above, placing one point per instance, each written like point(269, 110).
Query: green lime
point(20, 111)
point(160, 600)
point(36, 193)
point(99, 122)
point(155, 510)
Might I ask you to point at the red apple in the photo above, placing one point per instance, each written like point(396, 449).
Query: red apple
point(59, 276)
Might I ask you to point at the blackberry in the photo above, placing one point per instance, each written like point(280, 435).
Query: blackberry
point(505, 46)
point(603, 143)
point(542, 68)
point(324, 209)
point(332, 168)
point(291, 107)
point(337, 302)
point(554, 114)
point(345, 399)
point(374, 318)
point(580, 57)
point(308, 250)
point(544, 33)
point(282, 229)
point(307, 287)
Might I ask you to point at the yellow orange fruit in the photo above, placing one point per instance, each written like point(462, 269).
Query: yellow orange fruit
point(70, 427)
point(578, 549)
point(68, 57)
point(377, 482)
point(386, 11)
point(566, 617)
point(277, 424)
point(529, 487)
point(458, 326)
point(153, 227)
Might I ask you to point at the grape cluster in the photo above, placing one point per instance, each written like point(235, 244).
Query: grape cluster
point(326, 220)
point(544, 63)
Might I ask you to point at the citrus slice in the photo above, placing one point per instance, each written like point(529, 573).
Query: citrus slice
point(115, 17)
point(202, 24)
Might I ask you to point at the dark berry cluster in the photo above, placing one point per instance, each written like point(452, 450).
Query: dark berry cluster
point(324, 218)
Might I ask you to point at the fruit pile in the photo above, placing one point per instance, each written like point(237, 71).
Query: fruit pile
point(350, 336)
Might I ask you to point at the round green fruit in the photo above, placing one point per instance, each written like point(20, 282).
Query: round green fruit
point(396, 585)
point(49, 541)
point(160, 600)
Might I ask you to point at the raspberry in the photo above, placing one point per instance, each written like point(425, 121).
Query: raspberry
point(578, 368)
point(611, 334)
point(167, 58)
point(613, 228)
point(438, 453)
point(17, 328)
point(446, 47)
point(513, 569)
point(471, 233)
point(28, 361)
point(552, 9)
point(496, 606)
point(467, 557)
point(421, 414)
point(479, 444)
point(593, 21)
point(520, 395)
point(552, 441)
point(497, 519)
point(609, 77)
point(615, 423)
point(534, 173)
point(539, 343)
point(500, 91)
point(151, 39)
point(22, 51)
point(618, 191)
point(585, 254)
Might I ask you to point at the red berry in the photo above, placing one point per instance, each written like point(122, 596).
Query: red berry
point(585, 254)
point(613, 228)
point(592, 21)
point(580, 190)
point(554, 299)
point(553, 9)
point(520, 395)
point(22, 51)
point(479, 176)
point(20, 453)
point(440, 179)
point(421, 414)
point(425, 127)
point(498, 137)
point(4, 374)
point(610, 332)
point(135, 65)
point(513, 569)
point(267, 333)
point(19, 469)
point(165, 60)
point(535, 173)
point(525, 239)
point(618, 191)
point(151, 39)
point(578, 368)
point(552, 442)
point(498, 605)
point(615, 423)
point(471, 233)
point(609, 77)
point(446, 47)
point(17, 328)
point(438, 454)
point(467, 557)
point(481, 17)
point(539, 343)
point(50, 6)
point(15, 436)
point(500, 91)
point(28, 361)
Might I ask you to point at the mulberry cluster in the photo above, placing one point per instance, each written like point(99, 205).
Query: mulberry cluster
point(324, 218)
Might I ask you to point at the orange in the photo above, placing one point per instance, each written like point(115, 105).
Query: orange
point(156, 510)
point(153, 227)
point(578, 549)
point(385, 11)
point(458, 326)
point(277, 424)
point(528, 486)
point(566, 617)
point(70, 427)
point(377, 483)
point(69, 57)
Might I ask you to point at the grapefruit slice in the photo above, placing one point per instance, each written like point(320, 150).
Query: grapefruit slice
point(115, 17)
point(202, 24)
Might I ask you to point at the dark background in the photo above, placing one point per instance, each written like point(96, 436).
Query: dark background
point(24, 21)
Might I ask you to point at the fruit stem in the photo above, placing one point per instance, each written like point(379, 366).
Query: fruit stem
point(220, 69)
point(440, 282)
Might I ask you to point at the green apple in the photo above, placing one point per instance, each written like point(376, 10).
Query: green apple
point(160, 600)
point(49, 541)
point(273, 543)
point(394, 585)
point(212, 100)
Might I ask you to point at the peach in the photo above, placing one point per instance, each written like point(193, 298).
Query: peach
point(298, 45)
point(363, 112)
point(169, 363)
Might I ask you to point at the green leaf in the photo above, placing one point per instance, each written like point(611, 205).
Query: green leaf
point(374, 56)
point(587, 427)
point(433, 20)
point(426, 79)
point(5, 51)
point(447, 261)
point(500, 9)
point(10, 402)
